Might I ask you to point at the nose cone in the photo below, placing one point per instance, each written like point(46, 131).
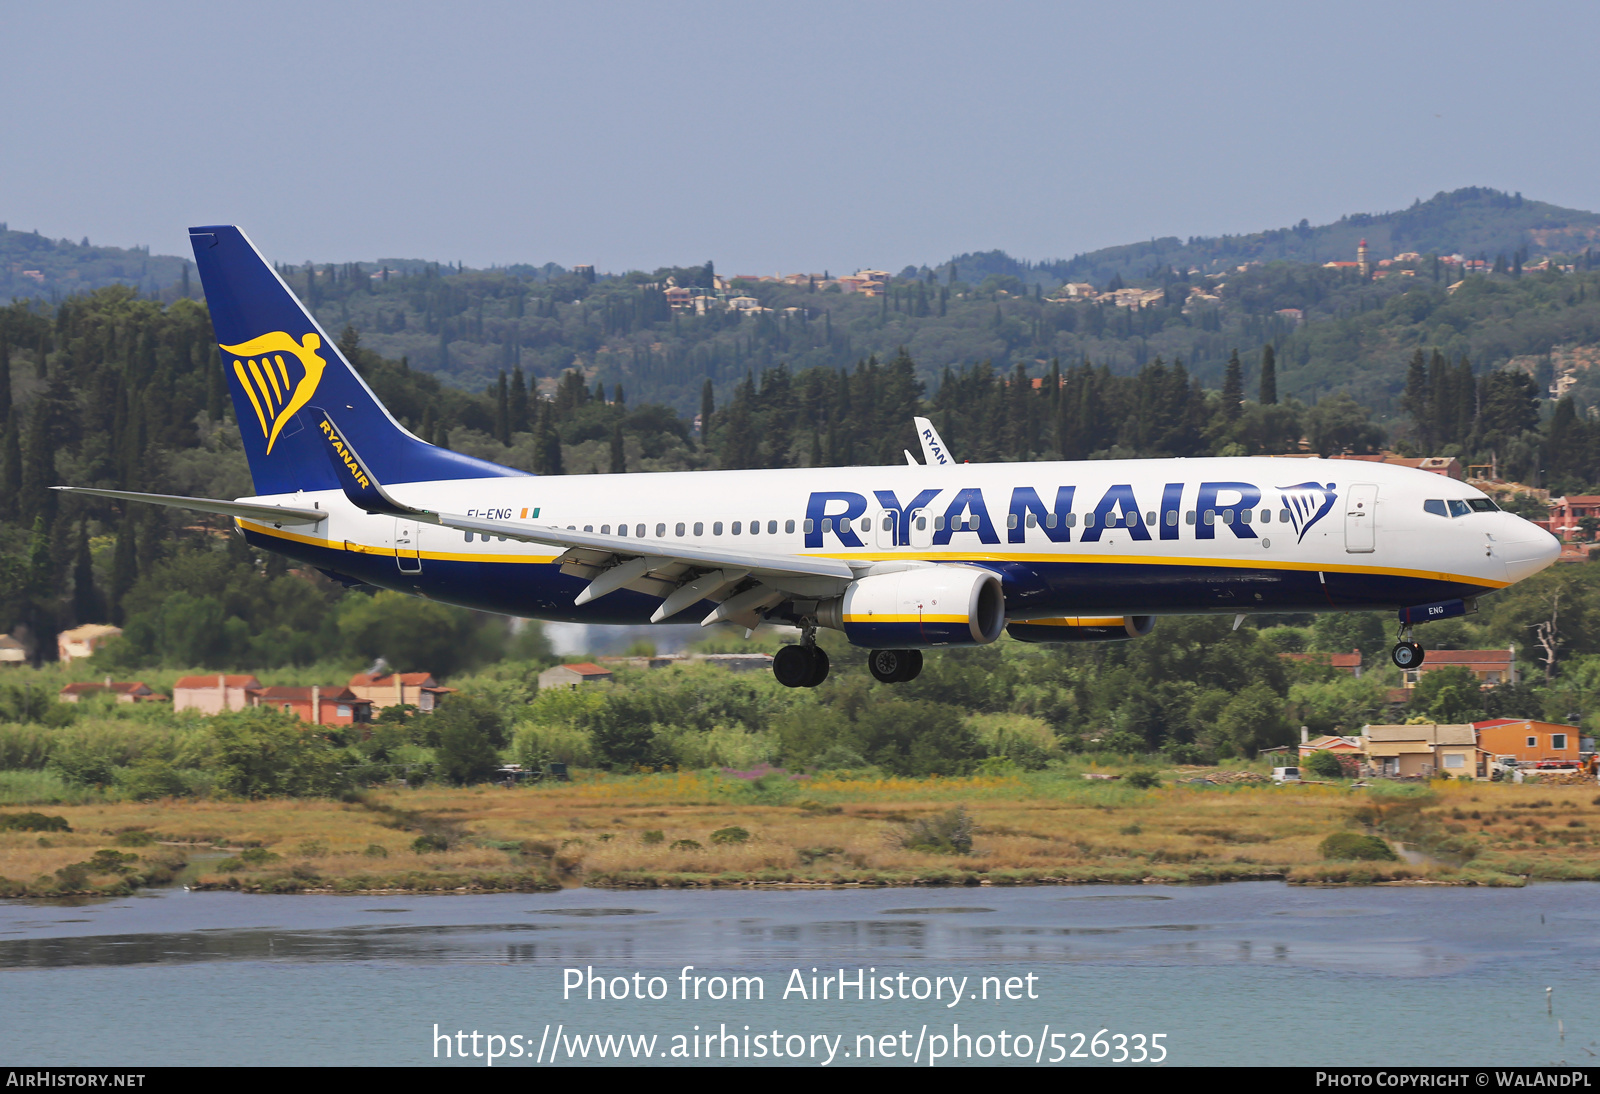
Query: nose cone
point(1528, 549)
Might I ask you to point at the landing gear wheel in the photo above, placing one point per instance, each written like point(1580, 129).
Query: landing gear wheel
point(819, 667)
point(913, 667)
point(793, 666)
point(887, 666)
point(1406, 655)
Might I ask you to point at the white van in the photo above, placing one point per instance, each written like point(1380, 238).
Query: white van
point(1286, 774)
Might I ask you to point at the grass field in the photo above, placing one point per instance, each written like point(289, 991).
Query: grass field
point(701, 829)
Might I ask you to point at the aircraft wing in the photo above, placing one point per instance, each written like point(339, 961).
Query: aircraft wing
point(682, 574)
point(269, 514)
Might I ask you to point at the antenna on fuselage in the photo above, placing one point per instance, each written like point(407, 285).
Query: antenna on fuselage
point(934, 450)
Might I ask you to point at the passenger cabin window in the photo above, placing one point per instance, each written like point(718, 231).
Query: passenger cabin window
point(716, 528)
point(588, 527)
point(736, 527)
point(772, 528)
point(1188, 518)
point(810, 526)
point(661, 531)
point(679, 529)
point(699, 528)
point(605, 529)
point(788, 527)
point(639, 531)
point(1172, 518)
point(1283, 516)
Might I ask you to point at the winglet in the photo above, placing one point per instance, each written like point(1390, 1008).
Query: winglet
point(355, 479)
point(934, 450)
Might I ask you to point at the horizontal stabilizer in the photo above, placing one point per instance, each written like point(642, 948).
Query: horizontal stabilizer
point(267, 514)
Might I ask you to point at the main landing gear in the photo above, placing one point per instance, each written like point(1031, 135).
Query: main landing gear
point(1406, 653)
point(802, 666)
point(895, 666)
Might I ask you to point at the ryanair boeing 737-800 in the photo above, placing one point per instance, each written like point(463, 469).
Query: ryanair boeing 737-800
point(900, 559)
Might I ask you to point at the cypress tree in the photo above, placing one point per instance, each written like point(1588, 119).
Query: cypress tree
point(547, 452)
point(617, 396)
point(707, 407)
point(619, 453)
point(85, 601)
point(10, 467)
point(1415, 401)
point(34, 499)
point(519, 401)
point(1269, 376)
point(502, 410)
point(5, 377)
point(1232, 387)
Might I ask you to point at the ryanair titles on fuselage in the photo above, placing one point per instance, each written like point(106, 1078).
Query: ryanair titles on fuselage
point(1233, 505)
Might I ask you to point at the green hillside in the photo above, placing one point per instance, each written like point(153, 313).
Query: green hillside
point(32, 265)
point(1474, 221)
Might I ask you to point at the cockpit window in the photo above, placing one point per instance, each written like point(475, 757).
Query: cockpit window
point(1455, 508)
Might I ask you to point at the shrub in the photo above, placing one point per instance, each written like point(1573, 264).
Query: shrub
point(733, 834)
point(1353, 846)
point(376, 850)
point(685, 845)
point(135, 837)
point(1142, 779)
point(1324, 765)
point(947, 833)
point(32, 822)
point(653, 835)
point(429, 842)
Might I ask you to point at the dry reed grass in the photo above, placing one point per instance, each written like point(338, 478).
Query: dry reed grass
point(602, 830)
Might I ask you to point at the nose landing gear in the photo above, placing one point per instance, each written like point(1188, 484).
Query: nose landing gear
point(1406, 653)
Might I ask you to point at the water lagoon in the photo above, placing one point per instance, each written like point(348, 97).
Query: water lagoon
point(1251, 973)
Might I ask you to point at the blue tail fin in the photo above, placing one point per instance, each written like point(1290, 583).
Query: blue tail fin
point(277, 358)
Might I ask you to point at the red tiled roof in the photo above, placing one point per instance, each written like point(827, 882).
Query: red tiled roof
point(588, 668)
point(329, 694)
point(1467, 657)
point(238, 680)
point(408, 679)
point(132, 687)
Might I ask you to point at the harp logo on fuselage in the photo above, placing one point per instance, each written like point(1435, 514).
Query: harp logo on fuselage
point(277, 388)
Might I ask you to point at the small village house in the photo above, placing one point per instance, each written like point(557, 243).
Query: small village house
point(214, 694)
point(130, 691)
point(332, 706)
point(1344, 662)
point(585, 674)
point(389, 689)
point(1425, 751)
point(1529, 740)
point(12, 652)
point(1491, 667)
point(81, 642)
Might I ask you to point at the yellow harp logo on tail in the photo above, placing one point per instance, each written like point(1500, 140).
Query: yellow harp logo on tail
point(276, 389)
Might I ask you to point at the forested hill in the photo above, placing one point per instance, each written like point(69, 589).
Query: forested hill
point(32, 265)
point(1332, 329)
point(1475, 222)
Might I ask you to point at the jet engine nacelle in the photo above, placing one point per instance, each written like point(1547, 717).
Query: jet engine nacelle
point(1115, 628)
point(947, 605)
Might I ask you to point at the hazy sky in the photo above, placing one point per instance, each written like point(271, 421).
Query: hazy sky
point(774, 137)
